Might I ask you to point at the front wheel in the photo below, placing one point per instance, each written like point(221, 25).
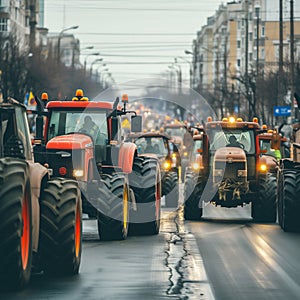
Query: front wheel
point(16, 224)
point(113, 209)
point(171, 189)
point(193, 189)
point(264, 205)
point(290, 205)
point(145, 182)
point(60, 241)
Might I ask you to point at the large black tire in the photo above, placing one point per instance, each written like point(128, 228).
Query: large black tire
point(113, 208)
point(290, 204)
point(264, 204)
point(279, 197)
point(60, 241)
point(170, 189)
point(15, 225)
point(193, 188)
point(145, 182)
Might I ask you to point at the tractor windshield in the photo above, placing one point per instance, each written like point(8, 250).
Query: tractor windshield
point(244, 139)
point(154, 145)
point(90, 122)
point(175, 131)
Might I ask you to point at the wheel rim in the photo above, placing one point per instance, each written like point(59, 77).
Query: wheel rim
point(25, 238)
point(125, 208)
point(77, 231)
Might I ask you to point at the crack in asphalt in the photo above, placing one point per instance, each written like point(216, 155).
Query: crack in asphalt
point(175, 258)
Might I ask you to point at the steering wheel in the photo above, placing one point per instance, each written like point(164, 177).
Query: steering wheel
point(242, 146)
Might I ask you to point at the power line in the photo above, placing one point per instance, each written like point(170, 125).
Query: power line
point(136, 33)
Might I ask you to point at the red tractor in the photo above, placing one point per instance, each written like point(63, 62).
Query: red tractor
point(83, 140)
point(41, 225)
point(272, 155)
point(232, 171)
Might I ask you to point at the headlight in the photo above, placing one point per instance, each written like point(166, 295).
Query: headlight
point(167, 165)
point(78, 173)
point(263, 167)
point(196, 166)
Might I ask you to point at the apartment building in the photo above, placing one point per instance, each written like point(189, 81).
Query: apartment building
point(242, 36)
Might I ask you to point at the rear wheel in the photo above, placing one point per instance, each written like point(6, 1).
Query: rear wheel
point(171, 189)
point(193, 188)
point(264, 205)
point(145, 181)
point(61, 227)
point(290, 200)
point(15, 225)
point(113, 209)
point(279, 197)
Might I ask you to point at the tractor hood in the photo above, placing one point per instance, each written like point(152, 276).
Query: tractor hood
point(70, 142)
point(230, 154)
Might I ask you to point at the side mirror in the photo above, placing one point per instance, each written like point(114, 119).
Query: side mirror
point(175, 148)
point(136, 123)
point(114, 128)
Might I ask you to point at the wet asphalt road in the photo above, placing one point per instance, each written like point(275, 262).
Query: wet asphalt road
point(244, 260)
point(225, 256)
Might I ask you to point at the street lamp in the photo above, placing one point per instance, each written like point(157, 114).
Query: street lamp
point(179, 71)
point(88, 48)
point(85, 60)
point(60, 37)
point(191, 68)
point(95, 61)
point(101, 71)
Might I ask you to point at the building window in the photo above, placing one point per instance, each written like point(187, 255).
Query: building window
point(250, 16)
point(238, 62)
point(238, 44)
point(250, 36)
point(263, 31)
point(239, 25)
point(250, 57)
point(262, 53)
point(3, 25)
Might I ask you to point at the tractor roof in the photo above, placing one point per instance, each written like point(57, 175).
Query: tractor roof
point(232, 125)
point(80, 104)
point(148, 135)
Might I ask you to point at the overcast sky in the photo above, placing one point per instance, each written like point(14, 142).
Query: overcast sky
point(151, 32)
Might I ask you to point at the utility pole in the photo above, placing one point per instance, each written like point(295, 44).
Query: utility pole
point(32, 24)
point(280, 75)
point(224, 90)
point(292, 57)
point(257, 12)
point(246, 55)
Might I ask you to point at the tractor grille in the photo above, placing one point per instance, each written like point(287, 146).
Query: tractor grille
point(57, 160)
point(231, 169)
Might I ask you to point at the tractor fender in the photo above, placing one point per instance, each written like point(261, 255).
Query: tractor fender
point(37, 174)
point(126, 156)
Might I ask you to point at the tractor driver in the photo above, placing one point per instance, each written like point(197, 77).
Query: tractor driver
point(91, 128)
point(234, 143)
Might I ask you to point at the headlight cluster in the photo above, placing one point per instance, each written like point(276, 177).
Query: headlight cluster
point(166, 165)
point(78, 173)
